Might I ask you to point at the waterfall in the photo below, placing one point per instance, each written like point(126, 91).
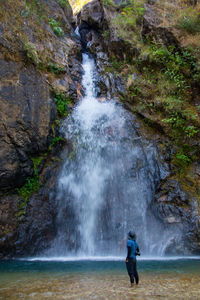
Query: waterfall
point(107, 182)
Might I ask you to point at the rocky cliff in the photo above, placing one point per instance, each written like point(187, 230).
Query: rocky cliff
point(147, 57)
point(40, 72)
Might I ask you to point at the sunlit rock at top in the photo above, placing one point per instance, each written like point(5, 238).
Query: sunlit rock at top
point(78, 4)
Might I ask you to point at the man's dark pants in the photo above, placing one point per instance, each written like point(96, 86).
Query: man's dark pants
point(132, 270)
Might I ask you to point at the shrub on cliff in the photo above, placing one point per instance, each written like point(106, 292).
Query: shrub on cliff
point(190, 22)
point(31, 53)
point(62, 103)
point(56, 28)
point(128, 18)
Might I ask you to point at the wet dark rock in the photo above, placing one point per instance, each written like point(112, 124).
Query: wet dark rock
point(90, 20)
point(8, 225)
point(120, 86)
point(29, 230)
point(37, 229)
point(123, 50)
point(84, 29)
point(174, 207)
point(175, 194)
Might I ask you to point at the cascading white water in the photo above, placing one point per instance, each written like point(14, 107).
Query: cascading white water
point(107, 182)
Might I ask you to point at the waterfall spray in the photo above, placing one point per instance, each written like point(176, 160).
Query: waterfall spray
point(108, 181)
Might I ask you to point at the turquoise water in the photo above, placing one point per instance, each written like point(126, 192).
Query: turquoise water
point(90, 279)
point(22, 267)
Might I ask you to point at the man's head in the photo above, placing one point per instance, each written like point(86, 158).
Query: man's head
point(132, 235)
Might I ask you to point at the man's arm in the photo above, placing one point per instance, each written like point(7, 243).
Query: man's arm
point(137, 252)
point(129, 253)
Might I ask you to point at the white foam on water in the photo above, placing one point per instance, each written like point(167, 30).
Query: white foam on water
point(107, 258)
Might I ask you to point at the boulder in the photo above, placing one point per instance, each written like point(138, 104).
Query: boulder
point(90, 21)
point(92, 14)
point(152, 27)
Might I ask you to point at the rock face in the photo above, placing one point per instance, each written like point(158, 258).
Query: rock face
point(40, 53)
point(27, 107)
point(26, 115)
point(176, 208)
point(36, 228)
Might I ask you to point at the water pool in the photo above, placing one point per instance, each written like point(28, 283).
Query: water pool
point(100, 278)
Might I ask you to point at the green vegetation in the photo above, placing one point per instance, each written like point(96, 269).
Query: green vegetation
point(54, 68)
point(72, 155)
point(31, 53)
point(108, 3)
point(128, 18)
point(25, 12)
point(31, 186)
point(182, 159)
point(177, 72)
point(117, 65)
point(56, 27)
point(32, 6)
point(184, 156)
point(37, 161)
point(135, 90)
point(161, 92)
point(56, 140)
point(62, 103)
point(106, 34)
point(176, 65)
point(33, 183)
point(190, 21)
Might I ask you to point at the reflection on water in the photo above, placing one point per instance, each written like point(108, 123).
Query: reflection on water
point(99, 280)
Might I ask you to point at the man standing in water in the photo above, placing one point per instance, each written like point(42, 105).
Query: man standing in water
point(133, 250)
